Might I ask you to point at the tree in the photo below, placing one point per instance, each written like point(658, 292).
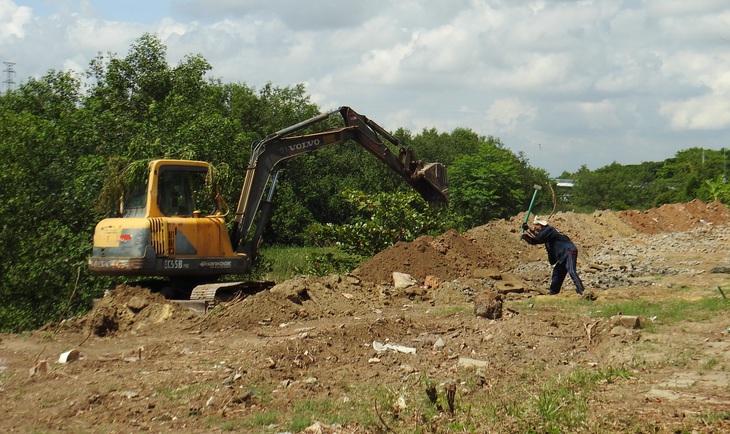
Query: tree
point(617, 186)
point(717, 190)
point(42, 202)
point(382, 220)
point(486, 184)
point(686, 174)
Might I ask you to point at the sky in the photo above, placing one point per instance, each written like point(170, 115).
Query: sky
point(566, 83)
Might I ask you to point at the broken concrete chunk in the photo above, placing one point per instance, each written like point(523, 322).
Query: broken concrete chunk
point(380, 347)
point(403, 280)
point(628, 321)
point(40, 367)
point(465, 362)
point(509, 286)
point(488, 304)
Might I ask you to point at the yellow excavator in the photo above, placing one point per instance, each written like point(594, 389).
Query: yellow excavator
point(168, 226)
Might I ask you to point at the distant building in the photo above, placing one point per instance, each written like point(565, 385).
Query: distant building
point(564, 189)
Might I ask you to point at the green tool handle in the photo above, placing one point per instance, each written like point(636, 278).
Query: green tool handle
point(527, 216)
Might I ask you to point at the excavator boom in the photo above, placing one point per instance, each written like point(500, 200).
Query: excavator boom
point(428, 179)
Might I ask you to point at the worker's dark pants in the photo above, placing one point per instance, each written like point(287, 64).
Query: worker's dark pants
point(566, 266)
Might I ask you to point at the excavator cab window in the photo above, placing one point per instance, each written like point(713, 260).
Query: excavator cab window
point(135, 204)
point(182, 191)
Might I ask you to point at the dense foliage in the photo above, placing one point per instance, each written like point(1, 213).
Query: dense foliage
point(382, 220)
point(694, 173)
point(66, 138)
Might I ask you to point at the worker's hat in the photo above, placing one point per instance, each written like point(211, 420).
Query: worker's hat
point(540, 221)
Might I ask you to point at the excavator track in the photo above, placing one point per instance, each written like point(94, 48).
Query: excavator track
point(203, 297)
point(206, 296)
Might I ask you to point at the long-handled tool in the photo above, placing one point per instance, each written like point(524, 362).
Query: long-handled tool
point(532, 202)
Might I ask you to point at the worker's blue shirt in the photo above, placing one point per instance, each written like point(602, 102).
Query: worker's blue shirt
point(556, 243)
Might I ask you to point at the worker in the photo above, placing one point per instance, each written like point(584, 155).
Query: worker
point(562, 253)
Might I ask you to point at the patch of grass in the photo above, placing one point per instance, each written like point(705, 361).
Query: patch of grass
point(683, 358)
point(669, 311)
point(5, 376)
point(559, 409)
point(177, 393)
point(264, 419)
point(541, 405)
point(302, 414)
point(537, 405)
point(452, 310)
point(611, 374)
point(710, 364)
point(283, 263)
point(716, 418)
point(228, 425)
point(561, 404)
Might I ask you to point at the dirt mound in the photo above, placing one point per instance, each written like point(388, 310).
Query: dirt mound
point(677, 217)
point(592, 231)
point(133, 308)
point(445, 257)
point(309, 298)
point(302, 298)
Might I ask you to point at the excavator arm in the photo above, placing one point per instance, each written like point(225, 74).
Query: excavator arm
point(428, 179)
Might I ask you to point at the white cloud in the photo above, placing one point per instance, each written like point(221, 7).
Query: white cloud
point(505, 114)
point(13, 20)
point(708, 112)
point(589, 81)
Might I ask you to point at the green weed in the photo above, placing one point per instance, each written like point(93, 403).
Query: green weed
point(175, 394)
point(452, 310)
point(710, 364)
point(5, 376)
point(282, 263)
point(264, 419)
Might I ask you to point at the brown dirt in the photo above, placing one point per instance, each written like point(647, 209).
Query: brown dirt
point(147, 364)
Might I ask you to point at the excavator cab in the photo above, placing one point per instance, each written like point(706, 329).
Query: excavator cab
point(170, 225)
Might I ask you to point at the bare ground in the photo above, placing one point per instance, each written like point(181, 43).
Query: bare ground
point(383, 356)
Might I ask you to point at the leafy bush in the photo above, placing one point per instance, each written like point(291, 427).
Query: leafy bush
point(383, 220)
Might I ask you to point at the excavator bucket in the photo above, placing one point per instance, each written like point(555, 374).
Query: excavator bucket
point(430, 181)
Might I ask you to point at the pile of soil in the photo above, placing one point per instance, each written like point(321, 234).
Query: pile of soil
point(489, 257)
point(445, 257)
point(132, 308)
point(304, 298)
point(498, 244)
point(677, 217)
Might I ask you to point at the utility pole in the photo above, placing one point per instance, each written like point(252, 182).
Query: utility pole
point(9, 72)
